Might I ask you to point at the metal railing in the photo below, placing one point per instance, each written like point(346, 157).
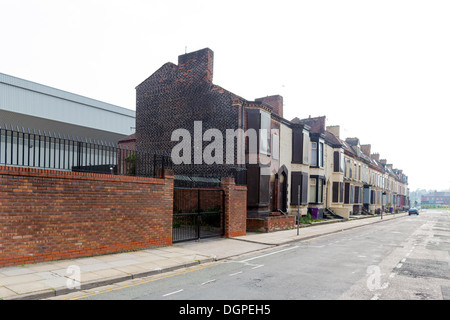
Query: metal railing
point(36, 149)
point(197, 214)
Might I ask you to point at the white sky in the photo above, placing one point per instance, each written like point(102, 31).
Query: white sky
point(379, 69)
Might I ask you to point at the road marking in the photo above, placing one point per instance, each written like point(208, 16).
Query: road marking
point(206, 282)
point(139, 283)
point(169, 294)
point(233, 274)
point(269, 254)
point(261, 265)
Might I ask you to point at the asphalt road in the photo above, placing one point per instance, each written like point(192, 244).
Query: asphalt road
point(400, 259)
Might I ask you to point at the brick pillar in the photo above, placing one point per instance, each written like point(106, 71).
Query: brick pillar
point(169, 179)
point(235, 208)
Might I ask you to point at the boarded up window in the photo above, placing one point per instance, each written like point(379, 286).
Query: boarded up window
point(299, 179)
point(335, 191)
point(297, 146)
point(347, 193)
point(305, 180)
point(252, 185)
point(336, 161)
point(296, 182)
point(372, 197)
point(253, 123)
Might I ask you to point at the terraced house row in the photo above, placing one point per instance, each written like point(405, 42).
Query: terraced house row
point(340, 177)
point(302, 165)
point(65, 196)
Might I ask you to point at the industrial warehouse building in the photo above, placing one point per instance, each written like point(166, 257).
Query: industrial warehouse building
point(43, 127)
point(29, 105)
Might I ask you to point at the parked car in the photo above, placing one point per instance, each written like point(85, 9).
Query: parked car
point(413, 211)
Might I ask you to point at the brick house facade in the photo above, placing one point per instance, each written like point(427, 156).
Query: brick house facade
point(183, 96)
point(301, 154)
point(178, 96)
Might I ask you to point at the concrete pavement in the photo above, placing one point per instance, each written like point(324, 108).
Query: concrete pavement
point(49, 279)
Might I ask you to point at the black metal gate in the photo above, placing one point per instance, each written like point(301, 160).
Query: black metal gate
point(197, 214)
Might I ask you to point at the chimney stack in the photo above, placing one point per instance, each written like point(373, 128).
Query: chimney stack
point(366, 149)
point(335, 130)
point(276, 102)
point(376, 156)
point(197, 65)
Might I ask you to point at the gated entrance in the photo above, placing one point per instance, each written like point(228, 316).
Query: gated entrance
point(197, 213)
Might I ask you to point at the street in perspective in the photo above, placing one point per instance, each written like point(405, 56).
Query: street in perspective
point(225, 159)
point(406, 258)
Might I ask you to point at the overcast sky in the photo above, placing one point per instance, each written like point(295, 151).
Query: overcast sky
point(379, 69)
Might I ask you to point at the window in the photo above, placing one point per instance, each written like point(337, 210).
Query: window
point(336, 165)
point(350, 167)
point(321, 154)
point(316, 189)
point(306, 143)
point(299, 182)
point(300, 146)
point(347, 193)
point(319, 190)
point(314, 154)
point(264, 133)
point(335, 191)
point(357, 195)
point(345, 167)
point(317, 156)
point(276, 146)
point(312, 190)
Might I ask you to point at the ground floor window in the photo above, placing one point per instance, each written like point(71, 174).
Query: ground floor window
point(338, 191)
point(299, 188)
point(316, 184)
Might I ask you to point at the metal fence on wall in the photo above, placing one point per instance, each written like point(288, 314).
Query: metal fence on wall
point(36, 149)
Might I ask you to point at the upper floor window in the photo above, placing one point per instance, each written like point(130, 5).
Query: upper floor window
point(300, 146)
point(321, 154)
point(260, 122)
point(265, 133)
point(314, 154)
point(338, 162)
point(317, 154)
point(275, 145)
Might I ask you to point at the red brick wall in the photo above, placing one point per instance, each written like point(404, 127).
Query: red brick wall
point(50, 215)
point(271, 224)
point(235, 208)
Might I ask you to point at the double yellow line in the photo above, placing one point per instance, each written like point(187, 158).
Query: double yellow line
point(141, 282)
